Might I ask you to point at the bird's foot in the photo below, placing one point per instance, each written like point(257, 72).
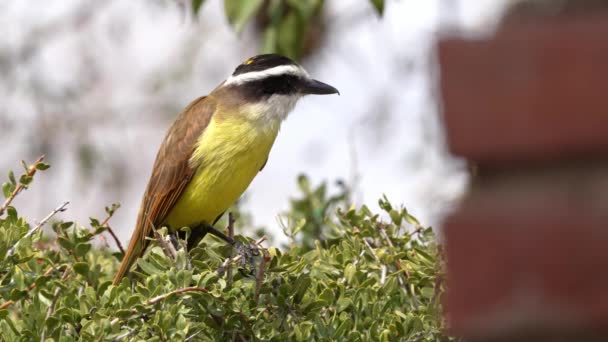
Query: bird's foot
point(247, 253)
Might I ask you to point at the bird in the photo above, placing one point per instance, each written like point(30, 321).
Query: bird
point(215, 148)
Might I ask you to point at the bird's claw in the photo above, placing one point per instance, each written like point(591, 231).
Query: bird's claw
point(248, 252)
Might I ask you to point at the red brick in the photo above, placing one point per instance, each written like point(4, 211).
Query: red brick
point(529, 252)
point(535, 91)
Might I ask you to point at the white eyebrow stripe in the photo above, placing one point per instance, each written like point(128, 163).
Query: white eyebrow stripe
point(258, 75)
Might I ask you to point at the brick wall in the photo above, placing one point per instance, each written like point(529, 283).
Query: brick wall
point(527, 252)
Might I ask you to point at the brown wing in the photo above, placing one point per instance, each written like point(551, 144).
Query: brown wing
point(171, 173)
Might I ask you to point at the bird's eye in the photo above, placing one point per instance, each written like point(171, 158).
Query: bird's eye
point(249, 61)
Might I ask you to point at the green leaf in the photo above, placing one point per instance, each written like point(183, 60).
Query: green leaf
point(412, 220)
point(82, 248)
point(26, 180)
point(65, 243)
point(385, 204)
point(112, 209)
point(395, 217)
point(302, 285)
point(65, 225)
point(349, 272)
point(42, 280)
point(196, 5)
point(427, 292)
point(148, 267)
point(240, 11)
point(81, 268)
point(304, 183)
point(378, 5)
point(11, 177)
point(342, 329)
point(42, 166)
point(401, 314)
point(11, 212)
point(16, 294)
point(7, 189)
point(299, 225)
point(305, 8)
point(343, 303)
point(290, 35)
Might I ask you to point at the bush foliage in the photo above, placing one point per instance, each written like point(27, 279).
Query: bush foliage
point(347, 274)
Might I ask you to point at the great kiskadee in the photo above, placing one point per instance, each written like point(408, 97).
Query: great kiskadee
point(215, 148)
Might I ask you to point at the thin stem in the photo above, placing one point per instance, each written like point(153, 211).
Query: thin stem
point(259, 277)
point(105, 224)
point(31, 170)
point(179, 291)
point(230, 229)
point(61, 208)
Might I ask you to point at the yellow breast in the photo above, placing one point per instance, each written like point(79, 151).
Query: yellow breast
point(229, 154)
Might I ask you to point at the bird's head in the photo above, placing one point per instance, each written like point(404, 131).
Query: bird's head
point(272, 84)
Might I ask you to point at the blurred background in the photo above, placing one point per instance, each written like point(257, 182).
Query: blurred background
point(94, 85)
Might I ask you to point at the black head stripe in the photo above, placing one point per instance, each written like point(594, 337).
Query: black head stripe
point(262, 62)
point(263, 88)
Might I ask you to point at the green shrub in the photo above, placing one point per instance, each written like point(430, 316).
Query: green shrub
point(347, 275)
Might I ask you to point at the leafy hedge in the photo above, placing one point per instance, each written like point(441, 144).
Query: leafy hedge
point(362, 278)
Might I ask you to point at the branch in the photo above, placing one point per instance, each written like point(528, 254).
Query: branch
point(418, 229)
point(383, 266)
point(115, 239)
point(230, 229)
point(105, 224)
point(371, 250)
point(163, 245)
point(397, 261)
point(259, 277)
point(31, 170)
point(61, 208)
point(179, 291)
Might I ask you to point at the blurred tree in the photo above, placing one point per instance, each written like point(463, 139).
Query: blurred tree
point(293, 28)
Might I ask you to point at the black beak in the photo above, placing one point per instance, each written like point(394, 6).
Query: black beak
point(315, 87)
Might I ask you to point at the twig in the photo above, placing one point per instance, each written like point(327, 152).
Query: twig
point(130, 333)
point(7, 304)
point(371, 250)
point(61, 208)
point(31, 170)
point(397, 262)
point(383, 275)
point(358, 258)
point(418, 229)
point(230, 229)
point(259, 277)
point(163, 245)
point(179, 291)
point(383, 266)
point(105, 224)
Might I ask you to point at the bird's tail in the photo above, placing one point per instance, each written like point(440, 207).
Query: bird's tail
point(133, 252)
point(137, 246)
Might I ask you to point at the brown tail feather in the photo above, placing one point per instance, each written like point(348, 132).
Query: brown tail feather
point(137, 246)
point(133, 252)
